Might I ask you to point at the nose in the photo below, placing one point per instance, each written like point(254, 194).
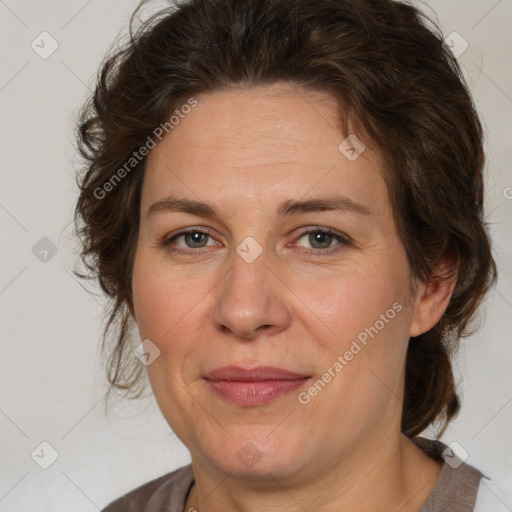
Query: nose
point(252, 299)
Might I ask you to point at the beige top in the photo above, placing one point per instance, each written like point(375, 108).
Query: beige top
point(455, 490)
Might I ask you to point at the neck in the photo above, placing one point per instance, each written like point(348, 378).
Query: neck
point(390, 475)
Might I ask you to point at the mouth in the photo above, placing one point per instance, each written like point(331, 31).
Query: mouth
point(254, 387)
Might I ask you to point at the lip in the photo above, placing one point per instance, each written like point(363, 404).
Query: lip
point(255, 386)
point(260, 373)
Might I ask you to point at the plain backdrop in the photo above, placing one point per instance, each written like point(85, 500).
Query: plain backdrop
point(52, 383)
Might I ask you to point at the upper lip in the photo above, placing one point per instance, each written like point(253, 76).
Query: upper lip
point(260, 373)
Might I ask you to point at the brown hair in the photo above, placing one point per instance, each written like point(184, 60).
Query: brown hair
point(386, 64)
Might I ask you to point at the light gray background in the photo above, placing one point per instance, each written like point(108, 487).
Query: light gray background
point(52, 385)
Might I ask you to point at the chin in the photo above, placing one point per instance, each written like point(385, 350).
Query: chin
point(261, 457)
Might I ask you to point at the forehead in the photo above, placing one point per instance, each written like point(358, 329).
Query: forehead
point(258, 141)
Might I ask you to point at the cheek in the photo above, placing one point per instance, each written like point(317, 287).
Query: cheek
point(168, 310)
point(363, 330)
point(340, 309)
point(165, 304)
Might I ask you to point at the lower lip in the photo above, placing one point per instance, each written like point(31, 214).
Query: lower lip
point(254, 393)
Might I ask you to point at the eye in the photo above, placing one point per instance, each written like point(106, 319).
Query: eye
point(321, 240)
point(192, 239)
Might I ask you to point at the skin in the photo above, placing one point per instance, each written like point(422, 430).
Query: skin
point(245, 151)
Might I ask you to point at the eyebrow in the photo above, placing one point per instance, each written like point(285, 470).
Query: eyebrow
point(286, 208)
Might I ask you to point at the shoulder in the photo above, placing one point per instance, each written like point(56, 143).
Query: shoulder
point(461, 487)
point(156, 495)
point(457, 486)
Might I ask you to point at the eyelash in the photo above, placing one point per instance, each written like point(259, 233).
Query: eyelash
point(343, 239)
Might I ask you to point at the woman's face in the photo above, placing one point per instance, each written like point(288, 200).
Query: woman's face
point(248, 286)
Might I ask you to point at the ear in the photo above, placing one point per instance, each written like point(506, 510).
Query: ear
point(433, 298)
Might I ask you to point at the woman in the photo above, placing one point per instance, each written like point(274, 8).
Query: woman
point(286, 197)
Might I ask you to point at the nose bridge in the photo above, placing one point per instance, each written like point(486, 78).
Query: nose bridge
point(249, 298)
point(246, 285)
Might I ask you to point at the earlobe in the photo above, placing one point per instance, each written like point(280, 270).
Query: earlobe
point(432, 300)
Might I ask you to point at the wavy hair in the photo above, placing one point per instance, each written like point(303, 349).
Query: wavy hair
point(387, 66)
